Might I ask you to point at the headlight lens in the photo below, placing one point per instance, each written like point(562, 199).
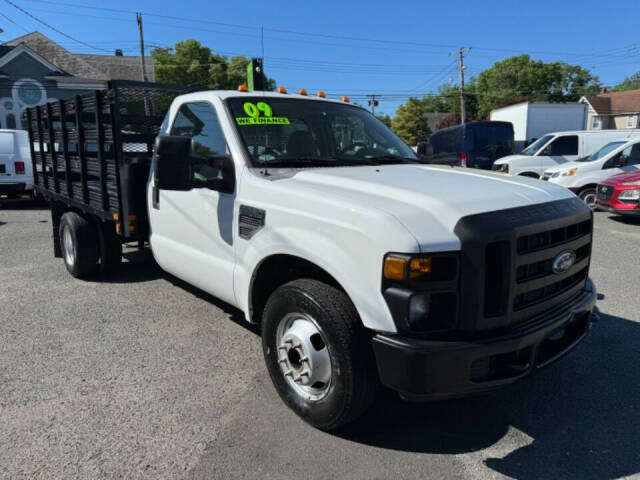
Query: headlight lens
point(629, 194)
point(556, 174)
point(421, 268)
point(569, 173)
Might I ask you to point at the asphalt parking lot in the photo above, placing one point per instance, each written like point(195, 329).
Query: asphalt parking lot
point(138, 375)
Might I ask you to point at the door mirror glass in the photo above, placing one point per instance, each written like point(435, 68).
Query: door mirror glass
point(177, 168)
point(173, 170)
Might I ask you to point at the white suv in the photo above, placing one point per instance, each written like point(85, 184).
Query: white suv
point(583, 175)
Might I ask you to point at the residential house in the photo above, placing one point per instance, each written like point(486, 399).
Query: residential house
point(34, 70)
point(613, 110)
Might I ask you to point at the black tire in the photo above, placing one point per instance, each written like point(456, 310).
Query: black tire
point(84, 241)
point(588, 196)
point(110, 247)
point(354, 380)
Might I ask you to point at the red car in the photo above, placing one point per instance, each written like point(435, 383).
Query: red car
point(620, 194)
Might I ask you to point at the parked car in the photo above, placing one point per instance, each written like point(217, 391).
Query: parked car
point(361, 265)
point(16, 174)
point(583, 175)
point(620, 194)
point(473, 145)
point(558, 148)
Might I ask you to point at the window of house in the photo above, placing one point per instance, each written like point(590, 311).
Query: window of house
point(567, 145)
point(631, 121)
point(596, 122)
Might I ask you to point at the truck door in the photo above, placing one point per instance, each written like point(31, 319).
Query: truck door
point(192, 231)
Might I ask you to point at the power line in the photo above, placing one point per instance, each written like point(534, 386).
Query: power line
point(52, 27)
point(16, 24)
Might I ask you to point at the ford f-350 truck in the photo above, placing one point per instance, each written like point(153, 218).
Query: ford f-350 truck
point(362, 266)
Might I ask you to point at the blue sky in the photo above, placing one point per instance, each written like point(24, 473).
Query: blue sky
point(394, 49)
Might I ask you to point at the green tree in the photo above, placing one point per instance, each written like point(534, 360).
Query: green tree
point(629, 83)
point(192, 64)
point(410, 122)
point(520, 78)
point(384, 118)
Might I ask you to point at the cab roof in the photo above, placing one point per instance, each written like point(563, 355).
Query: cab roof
point(225, 94)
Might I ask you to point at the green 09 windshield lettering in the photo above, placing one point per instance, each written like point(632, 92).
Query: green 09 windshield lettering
point(303, 132)
point(253, 110)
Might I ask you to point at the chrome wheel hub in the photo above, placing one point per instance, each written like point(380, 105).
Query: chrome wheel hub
point(303, 356)
point(67, 246)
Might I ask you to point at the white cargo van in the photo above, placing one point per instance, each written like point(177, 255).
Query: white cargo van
point(582, 176)
point(16, 174)
point(557, 148)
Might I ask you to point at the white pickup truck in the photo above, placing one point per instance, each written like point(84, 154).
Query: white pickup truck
point(362, 266)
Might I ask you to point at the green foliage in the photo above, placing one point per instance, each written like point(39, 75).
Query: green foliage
point(386, 119)
point(520, 78)
point(629, 83)
point(410, 122)
point(189, 63)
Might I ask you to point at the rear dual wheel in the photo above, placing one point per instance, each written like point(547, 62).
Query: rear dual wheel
point(86, 247)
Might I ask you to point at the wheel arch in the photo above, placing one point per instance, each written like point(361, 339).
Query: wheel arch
point(277, 269)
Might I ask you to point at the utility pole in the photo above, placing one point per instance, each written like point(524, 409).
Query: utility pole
point(461, 51)
point(373, 103)
point(142, 67)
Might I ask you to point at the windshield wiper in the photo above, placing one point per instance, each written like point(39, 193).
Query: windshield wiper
point(391, 159)
point(294, 162)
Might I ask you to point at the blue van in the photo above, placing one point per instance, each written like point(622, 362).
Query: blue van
point(473, 144)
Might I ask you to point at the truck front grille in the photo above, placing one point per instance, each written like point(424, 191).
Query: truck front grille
point(508, 257)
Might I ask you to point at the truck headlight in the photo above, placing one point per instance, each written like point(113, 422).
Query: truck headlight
point(629, 194)
point(420, 268)
point(569, 173)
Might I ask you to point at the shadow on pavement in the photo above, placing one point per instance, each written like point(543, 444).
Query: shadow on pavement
point(625, 219)
point(582, 414)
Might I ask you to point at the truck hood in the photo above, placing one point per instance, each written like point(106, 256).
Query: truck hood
point(427, 200)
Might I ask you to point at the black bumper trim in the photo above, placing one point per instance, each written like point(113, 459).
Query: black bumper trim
point(13, 188)
point(429, 370)
point(606, 208)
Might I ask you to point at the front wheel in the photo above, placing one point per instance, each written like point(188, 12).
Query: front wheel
point(318, 353)
point(588, 196)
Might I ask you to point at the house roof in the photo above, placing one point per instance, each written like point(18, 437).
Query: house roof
point(120, 67)
point(85, 66)
point(54, 53)
point(615, 103)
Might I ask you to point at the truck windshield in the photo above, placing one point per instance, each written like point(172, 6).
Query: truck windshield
point(535, 146)
point(287, 132)
point(609, 147)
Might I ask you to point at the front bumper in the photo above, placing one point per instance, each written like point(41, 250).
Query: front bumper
point(13, 188)
point(620, 211)
point(422, 369)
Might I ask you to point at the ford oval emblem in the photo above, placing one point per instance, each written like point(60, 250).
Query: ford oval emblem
point(563, 262)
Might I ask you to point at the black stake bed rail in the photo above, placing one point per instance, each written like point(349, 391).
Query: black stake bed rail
point(93, 151)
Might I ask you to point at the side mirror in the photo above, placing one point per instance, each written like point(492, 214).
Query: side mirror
point(226, 181)
point(173, 166)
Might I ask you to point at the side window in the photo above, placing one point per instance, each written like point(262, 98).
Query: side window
point(567, 145)
point(199, 121)
point(628, 156)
